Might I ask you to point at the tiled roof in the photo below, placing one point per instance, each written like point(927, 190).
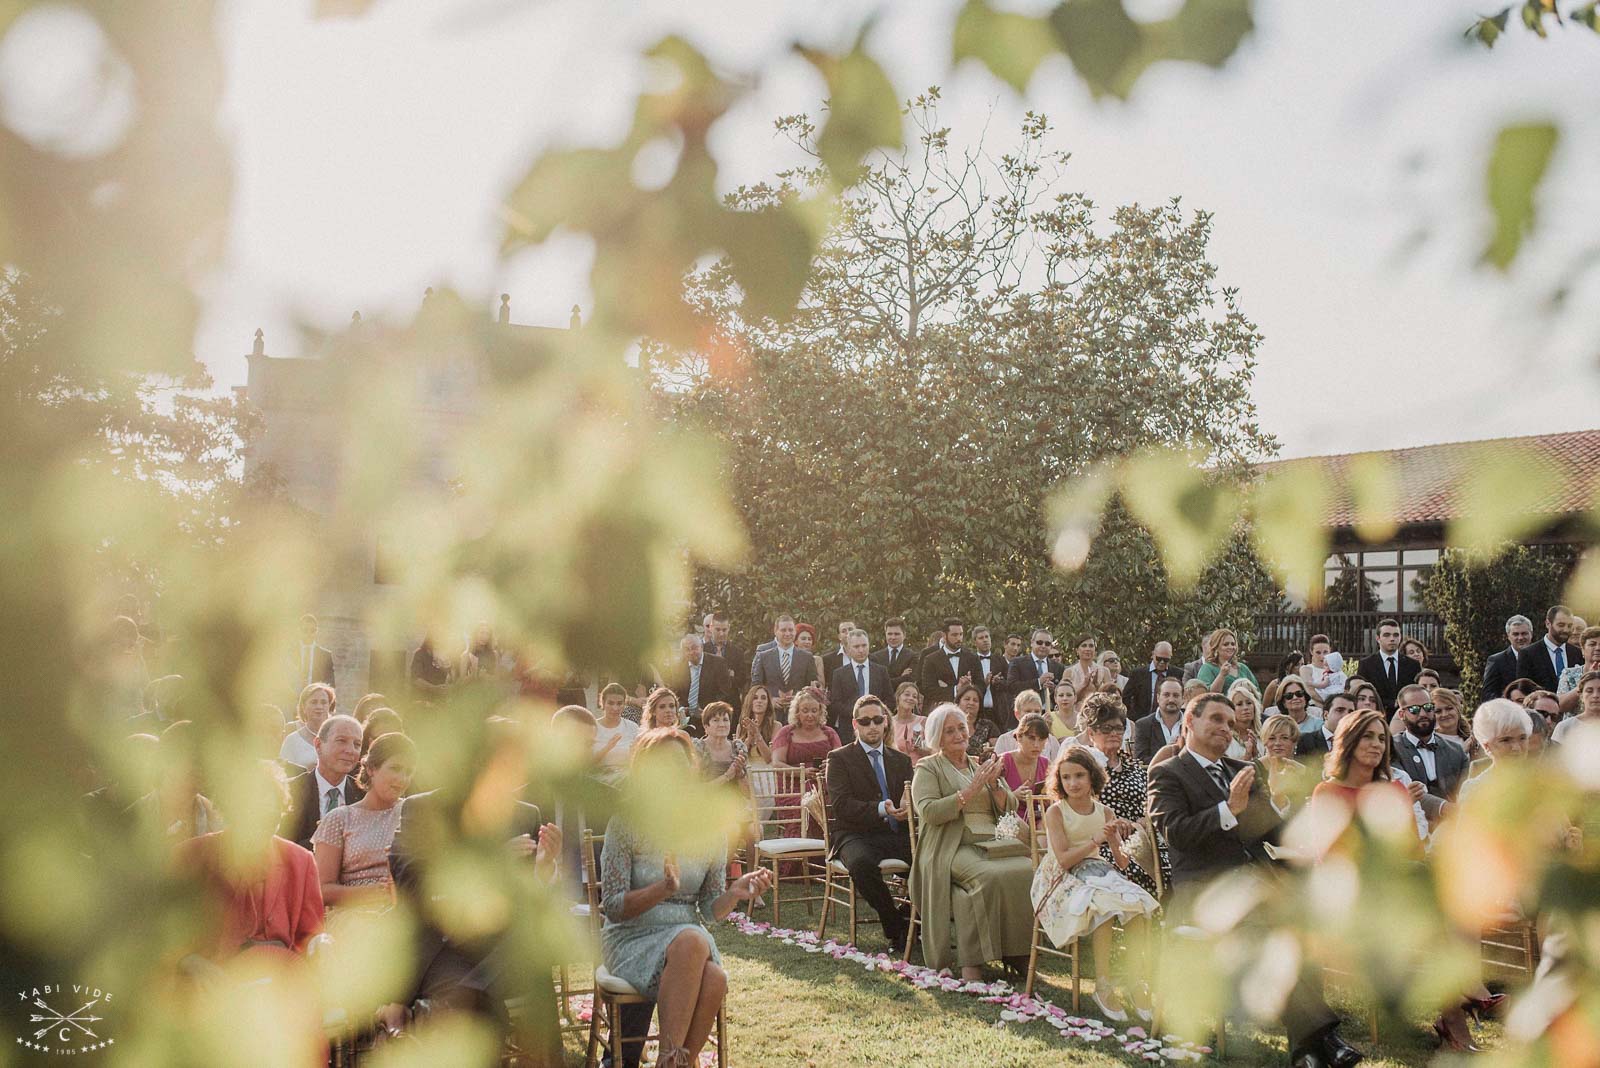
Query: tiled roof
point(1563, 475)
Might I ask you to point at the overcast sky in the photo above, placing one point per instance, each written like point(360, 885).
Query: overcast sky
point(372, 153)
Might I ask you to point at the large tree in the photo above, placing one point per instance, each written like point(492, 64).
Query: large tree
point(969, 335)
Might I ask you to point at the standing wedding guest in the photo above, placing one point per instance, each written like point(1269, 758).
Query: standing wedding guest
point(1216, 818)
point(980, 730)
point(368, 702)
point(702, 679)
point(656, 905)
point(906, 728)
point(317, 702)
point(783, 667)
point(1545, 660)
point(1085, 675)
point(1110, 665)
point(897, 659)
point(806, 740)
point(481, 656)
point(1501, 667)
point(718, 644)
point(379, 721)
point(614, 733)
point(429, 676)
point(1127, 785)
point(947, 665)
point(352, 841)
point(835, 659)
point(991, 679)
point(805, 637)
point(313, 663)
point(1325, 672)
point(1035, 670)
point(1415, 650)
point(757, 724)
point(1075, 891)
point(1153, 733)
point(329, 784)
point(1588, 707)
point(1387, 669)
point(856, 677)
point(123, 671)
point(1220, 665)
point(1567, 685)
point(962, 894)
point(1023, 759)
point(1246, 703)
point(865, 783)
point(1143, 681)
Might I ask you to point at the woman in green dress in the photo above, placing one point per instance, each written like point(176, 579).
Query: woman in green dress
point(962, 892)
point(1220, 666)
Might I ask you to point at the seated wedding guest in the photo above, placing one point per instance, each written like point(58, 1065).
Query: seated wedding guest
point(1450, 721)
point(962, 893)
point(1286, 776)
point(1517, 689)
point(330, 782)
point(1024, 762)
point(866, 783)
point(1567, 684)
point(1153, 733)
point(1543, 705)
point(1538, 738)
point(806, 740)
point(757, 724)
point(1321, 739)
point(1110, 665)
point(1288, 668)
point(905, 729)
point(368, 702)
point(352, 841)
point(980, 731)
point(1221, 666)
point(1359, 759)
point(661, 711)
point(317, 702)
point(379, 721)
point(174, 801)
point(1127, 786)
point(1503, 728)
point(1246, 701)
point(1325, 672)
point(1025, 705)
point(614, 733)
point(1364, 694)
point(1216, 817)
point(1588, 707)
point(1428, 678)
point(1441, 766)
point(1077, 892)
point(1064, 713)
point(656, 906)
point(722, 757)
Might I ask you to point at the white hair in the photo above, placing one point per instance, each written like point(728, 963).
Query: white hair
point(934, 728)
point(1518, 621)
point(857, 633)
point(693, 637)
point(1495, 716)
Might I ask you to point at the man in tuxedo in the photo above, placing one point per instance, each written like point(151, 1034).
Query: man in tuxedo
point(831, 661)
point(782, 667)
point(1155, 732)
point(991, 679)
point(718, 644)
point(327, 784)
point(1035, 670)
point(947, 665)
point(898, 660)
point(1441, 766)
point(1013, 647)
point(1543, 661)
point(1140, 693)
point(313, 663)
point(1500, 670)
point(698, 679)
point(856, 678)
point(1386, 669)
point(1217, 817)
point(865, 783)
point(1318, 742)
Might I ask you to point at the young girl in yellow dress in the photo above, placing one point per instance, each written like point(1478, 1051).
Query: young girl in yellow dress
point(1075, 892)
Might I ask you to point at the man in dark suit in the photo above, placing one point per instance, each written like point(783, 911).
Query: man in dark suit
point(1155, 732)
point(718, 644)
point(1387, 669)
point(865, 783)
point(897, 659)
point(1217, 817)
point(783, 667)
point(1035, 669)
point(313, 663)
point(1140, 693)
point(1543, 661)
point(990, 680)
point(1319, 742)
point(1438, 764)
point(947, 665)
point(326, 785)
point(698, 678)
point(831, 661)
point(856, 678)
point(1500, 670)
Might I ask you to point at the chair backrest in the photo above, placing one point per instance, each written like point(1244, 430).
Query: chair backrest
point(788, 797)
point(1038, 838)
point(1148, 825)
point(814, 802)
point(592, 880)
point(911, 820)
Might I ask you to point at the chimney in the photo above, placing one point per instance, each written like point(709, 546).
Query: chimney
point(577, 320)
point(260, 346)
point(505, 308)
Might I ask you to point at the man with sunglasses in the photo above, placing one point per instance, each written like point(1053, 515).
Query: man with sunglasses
point(1036, 669)
point(1144, 682)
point(1439, 764)
point(866, 782)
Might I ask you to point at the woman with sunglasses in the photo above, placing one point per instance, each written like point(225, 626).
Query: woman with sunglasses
point(1296, 702)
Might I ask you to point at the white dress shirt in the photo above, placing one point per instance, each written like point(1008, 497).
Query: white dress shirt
point(883, 806)
point(1229, 820)
point(1428, 756)
point(323, 786)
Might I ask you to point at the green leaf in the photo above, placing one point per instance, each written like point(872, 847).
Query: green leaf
point(1488, 29)
point(863, 109)
point(1207, 31)
point(1102, 42)
point(1516, 167)
point(770, 255)
point(1585, 16)
point(1010, 45)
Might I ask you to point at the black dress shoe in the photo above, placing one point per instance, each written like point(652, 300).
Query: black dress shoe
point(1306, 1057)
point(1339, 1053)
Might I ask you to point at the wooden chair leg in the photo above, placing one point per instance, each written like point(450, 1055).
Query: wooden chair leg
point(827, 901)
point(722, 1036)
point(1077, 972)
point(911, 933)
point(1033, 963)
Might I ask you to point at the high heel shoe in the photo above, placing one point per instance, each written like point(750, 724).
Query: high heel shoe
point(1114, 1015)
point(1451, 1042)
point(1481, 1009)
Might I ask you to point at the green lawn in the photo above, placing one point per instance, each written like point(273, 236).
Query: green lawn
point(788, 1007)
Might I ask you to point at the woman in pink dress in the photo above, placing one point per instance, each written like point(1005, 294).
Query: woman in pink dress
point(1025, 766)
point(906, 725)
point(352, 841)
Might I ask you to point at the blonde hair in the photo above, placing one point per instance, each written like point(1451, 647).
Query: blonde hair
point(801, 696)
point(1213, 642)
point(1279, 724)
point(1243, 686)
point(1030, 698)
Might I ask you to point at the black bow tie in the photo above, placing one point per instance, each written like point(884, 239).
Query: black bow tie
point(1431, 745)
